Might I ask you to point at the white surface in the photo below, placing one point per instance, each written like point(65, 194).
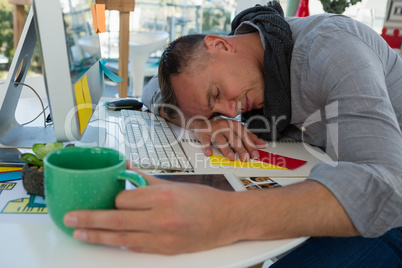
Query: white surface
point(44, 246)
point(37, 245)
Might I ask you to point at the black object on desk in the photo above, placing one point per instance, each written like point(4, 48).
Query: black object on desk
point(10, 156)
point(127, 104)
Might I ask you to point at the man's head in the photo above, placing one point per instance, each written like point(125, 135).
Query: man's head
point(183, 53)
point(209, 75)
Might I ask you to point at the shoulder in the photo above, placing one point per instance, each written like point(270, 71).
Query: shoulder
point(324, 24)
point(333, 41)
point(330, 31)
point(328, 48)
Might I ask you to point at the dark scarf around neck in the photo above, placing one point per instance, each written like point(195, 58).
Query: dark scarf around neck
point(277, 55)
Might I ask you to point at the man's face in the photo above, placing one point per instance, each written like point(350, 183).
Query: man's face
point(227, 86)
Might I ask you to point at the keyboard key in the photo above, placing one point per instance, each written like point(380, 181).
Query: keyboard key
point(151, 143)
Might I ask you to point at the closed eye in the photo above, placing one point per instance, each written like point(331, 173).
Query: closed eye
point(216, 115)
point(218, 93)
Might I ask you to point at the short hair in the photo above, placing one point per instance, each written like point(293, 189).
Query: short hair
point(183, 54)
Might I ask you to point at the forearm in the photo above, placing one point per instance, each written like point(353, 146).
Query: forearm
point(176, 218)
point(303, 209)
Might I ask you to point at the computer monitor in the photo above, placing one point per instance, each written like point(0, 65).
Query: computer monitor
point(73, 78)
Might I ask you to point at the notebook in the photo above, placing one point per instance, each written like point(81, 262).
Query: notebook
point(286, 148)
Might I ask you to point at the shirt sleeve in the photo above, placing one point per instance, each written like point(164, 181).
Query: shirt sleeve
point(347, 80)
point(151, 95)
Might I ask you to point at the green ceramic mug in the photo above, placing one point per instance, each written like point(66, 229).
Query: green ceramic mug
point(84, 178)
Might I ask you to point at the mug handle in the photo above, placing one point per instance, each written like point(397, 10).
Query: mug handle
point(132, 176)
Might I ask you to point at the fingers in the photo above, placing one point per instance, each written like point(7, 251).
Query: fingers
point(155, 219)
point(135, 241)
point(133, 207)
point(244, 143)
point(205, 141)
point(258, 143)
point(231, 137)
point(252, 143)
point(120, 220)
point(150, 179)
point(121, 239)
point(222, 143)
point(236, 138)
point(146, 242)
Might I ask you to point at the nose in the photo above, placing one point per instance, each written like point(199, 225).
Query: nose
point(229, 108)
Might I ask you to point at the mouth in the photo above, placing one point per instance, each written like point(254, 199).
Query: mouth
point(243, 106)
point(248, 105)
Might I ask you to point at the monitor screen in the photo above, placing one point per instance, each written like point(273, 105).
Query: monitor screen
point(73, 77)
point(78, 24)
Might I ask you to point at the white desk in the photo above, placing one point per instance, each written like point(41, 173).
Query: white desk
point(42, 245)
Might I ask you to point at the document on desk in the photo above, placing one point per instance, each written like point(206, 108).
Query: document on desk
point(297, 158)
point(18, 206)
point(225, 182)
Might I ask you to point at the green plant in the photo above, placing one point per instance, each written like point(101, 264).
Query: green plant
point(40, 151)
point(215, 21)
point(337, 6)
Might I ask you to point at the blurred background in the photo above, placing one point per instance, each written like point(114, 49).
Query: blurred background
point(164, 21)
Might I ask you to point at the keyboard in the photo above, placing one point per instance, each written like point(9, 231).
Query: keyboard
point(151, 143)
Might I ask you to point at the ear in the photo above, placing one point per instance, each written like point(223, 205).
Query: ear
point(212, 41)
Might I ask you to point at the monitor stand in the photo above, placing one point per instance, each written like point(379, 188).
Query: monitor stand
point(12, 134)
point(25, 136)
point(93, 136)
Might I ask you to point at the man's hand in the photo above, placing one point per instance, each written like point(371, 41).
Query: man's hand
point(166, 218)
point(173, 218)
point(230, 137)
